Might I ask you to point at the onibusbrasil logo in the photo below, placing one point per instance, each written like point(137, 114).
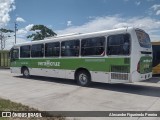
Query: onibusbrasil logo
point(48, 63)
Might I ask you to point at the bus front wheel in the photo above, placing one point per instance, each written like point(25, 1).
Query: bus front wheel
point(83, 78)
point(25, 73)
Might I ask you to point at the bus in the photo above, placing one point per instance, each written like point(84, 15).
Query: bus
point(156, 57)
point(121, 55)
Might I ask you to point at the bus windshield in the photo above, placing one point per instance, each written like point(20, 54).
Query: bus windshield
point(144, 39)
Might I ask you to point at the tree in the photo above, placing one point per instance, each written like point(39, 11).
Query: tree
point(5, 30)
point(41, 32)
point(4, 33)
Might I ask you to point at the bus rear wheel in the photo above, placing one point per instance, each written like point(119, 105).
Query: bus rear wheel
point(25, 73)
point(83, 78)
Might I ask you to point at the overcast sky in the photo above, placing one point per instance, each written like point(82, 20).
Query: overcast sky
point(70, 16)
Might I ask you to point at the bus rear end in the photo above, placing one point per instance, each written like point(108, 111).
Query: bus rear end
point(142, 57)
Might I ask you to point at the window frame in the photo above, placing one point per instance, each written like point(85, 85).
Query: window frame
point(70, 48)
point(42, 50)
point(18, 57)
point(140, 33)
point(104, 46)
point(29, 51)
point(52, 48)
point(130, 44)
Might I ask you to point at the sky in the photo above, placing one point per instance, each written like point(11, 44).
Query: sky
point(79, 16)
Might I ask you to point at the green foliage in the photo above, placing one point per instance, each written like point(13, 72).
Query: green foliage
point(4, 33)
point(7, 105)
point(42, 33)
point(6, 30)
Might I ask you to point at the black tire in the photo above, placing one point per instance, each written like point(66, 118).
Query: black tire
point(83, 78)
point(25, 73)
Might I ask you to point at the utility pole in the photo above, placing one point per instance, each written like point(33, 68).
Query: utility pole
point(15, 28)
point(2, 40)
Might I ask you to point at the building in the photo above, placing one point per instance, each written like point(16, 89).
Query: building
point(4, 59)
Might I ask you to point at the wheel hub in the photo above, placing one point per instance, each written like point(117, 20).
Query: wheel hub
point(26, 73)
point(83, 78)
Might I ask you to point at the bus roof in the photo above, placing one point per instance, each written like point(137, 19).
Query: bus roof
point(77, 36)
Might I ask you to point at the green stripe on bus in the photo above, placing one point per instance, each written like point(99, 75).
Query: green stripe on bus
point(92, 64)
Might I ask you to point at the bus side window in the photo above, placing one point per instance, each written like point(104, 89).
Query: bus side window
point(25, 51)
point(37, 50)
point(126, 44)
point(158, 55)
point(52, 49)
point(14, 54)
point(93, 46)
point(118, 44)
point(70, 48)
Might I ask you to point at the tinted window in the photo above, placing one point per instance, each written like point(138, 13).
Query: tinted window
point(93, 46)
point(25, 51)
point(118, 44)
point(70, 48)
point(14, 53)
point(37, 50)
point(52, 49)
point(156, 55)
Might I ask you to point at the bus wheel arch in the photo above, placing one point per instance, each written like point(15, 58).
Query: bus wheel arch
point(25, 71)
point(82, 77)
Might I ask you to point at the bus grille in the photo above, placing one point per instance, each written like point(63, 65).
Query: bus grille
point(120, 76)
point(120, 69)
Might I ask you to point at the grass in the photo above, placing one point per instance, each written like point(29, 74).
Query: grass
point(7, 105)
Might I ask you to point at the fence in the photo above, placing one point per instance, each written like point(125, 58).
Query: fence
point(4, 59)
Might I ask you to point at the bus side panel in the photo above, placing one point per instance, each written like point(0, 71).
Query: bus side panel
point(102, 77)
point(48, 72)
point(15, 70)
point(156, 57)
point(99, 68)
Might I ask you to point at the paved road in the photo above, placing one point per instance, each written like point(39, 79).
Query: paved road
point(54, 94)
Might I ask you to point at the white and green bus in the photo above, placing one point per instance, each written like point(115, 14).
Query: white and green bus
point(114, 56)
